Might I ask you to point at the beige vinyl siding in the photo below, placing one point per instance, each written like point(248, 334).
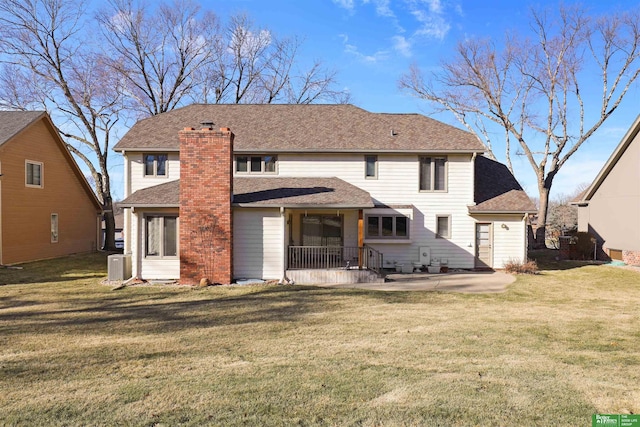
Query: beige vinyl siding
point(397, 184)
point(136, 171)
point(258, 244)
point(614, 209)
point(161, 269)
point(509, 242)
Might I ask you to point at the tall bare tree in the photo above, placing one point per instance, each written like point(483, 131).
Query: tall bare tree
point(542, 91)
point(158, 53)
point(48, 65)
point(255, 66)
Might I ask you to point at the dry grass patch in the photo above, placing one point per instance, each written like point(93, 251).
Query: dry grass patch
point(554, 349)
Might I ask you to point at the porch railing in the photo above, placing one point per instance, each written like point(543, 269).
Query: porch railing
point(334, 257)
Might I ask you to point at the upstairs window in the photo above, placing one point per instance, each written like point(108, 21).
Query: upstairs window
point(433, 174)
point(155, 164)
point(33, 174)
point(387, 227)
point(257, 164)
point(371, 167)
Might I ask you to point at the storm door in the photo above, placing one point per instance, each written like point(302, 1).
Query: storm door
point(483, 245)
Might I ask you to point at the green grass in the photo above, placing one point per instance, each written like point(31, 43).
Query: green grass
point(553, 350)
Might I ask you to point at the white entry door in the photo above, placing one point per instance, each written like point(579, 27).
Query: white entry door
point(483, 245)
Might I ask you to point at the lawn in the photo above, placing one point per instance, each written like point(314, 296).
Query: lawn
point(552, 350)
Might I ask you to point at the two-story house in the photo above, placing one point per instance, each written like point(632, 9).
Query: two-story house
point(311, 191)
point(47, 208)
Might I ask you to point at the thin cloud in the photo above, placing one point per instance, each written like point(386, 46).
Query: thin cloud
point(351, 49)
point(402, 45)
point(345, 4)
point(431, 19)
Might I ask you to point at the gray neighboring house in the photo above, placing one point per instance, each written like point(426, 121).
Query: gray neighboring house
point(610, 208)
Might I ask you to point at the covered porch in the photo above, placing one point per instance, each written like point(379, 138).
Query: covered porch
point(321, 229)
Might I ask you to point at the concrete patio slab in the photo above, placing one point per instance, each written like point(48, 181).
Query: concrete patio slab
point(456, 281)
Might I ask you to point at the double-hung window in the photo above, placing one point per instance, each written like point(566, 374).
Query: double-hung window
point(265, 164)
point(33, 174)
point(371, 167)
point(161, 236)
point(155, 164)
point(443, 226)
point(387, 227)
point(433, 174)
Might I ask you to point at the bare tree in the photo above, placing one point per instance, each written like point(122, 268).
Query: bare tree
point(539, 90)
point(158, 53)
point(257, 67)
point(47, 65)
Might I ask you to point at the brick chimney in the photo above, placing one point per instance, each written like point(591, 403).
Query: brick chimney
point(206, 191)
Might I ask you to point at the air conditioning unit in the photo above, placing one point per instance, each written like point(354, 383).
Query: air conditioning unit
point(119, 267)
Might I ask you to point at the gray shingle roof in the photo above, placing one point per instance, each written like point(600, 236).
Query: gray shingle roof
point(266, 192)
point(497, 190)
point(12, 122)
point(289, 128)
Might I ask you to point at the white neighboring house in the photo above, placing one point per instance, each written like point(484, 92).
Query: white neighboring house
point(326, 187)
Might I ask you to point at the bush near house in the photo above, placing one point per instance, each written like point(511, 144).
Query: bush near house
point(518, 267)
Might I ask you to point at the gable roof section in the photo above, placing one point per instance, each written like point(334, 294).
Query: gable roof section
point(13, 123)
point(266, 192)
point(497, 191)
point(627, 139)
point(302, 128)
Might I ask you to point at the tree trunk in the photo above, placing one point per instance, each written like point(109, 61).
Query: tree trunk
point(109, 225)
point(540, 238)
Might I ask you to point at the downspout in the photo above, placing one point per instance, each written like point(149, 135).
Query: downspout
point(526, 237)
point(126, 232)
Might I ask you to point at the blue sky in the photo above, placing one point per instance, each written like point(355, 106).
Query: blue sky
point(371, 43)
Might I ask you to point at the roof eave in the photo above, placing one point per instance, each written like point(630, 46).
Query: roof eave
point(307, 151)
point(302, 206)
point(147, 205)
point(613, 159)
point(501, 212)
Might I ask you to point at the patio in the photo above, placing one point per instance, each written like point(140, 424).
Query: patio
point(454, 281)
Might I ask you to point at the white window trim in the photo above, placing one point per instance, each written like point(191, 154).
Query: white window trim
point(55, 233)
point(26, 176)
point(144, 236)
point(438, 235)
point(155, 166)
point(262, 164)
point(375, 166)
point(433, 172)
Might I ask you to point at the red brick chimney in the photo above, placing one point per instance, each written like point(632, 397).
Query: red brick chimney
point(206, 191)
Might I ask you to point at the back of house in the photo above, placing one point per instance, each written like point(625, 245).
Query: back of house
point(313, 188)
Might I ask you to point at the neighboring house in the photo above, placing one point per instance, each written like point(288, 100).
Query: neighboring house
point(299, 191)
point(47, 207)
point(610, 208)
